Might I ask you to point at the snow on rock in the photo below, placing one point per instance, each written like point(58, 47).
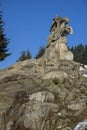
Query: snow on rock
point(81, 68)
point(86, 66)
point(84, 75)
point(81, 126)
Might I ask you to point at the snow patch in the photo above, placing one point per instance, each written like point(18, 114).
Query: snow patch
point(81, 68)
point(86, 66)
point(84, 75)
point(81, 125)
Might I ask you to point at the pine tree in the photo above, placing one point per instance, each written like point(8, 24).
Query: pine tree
point(40, 52)
point(85, 55)
point(80, 53)
point(25, 55)
point(3, 41)
point(28, 55)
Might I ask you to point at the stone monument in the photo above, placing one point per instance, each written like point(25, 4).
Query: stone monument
point(57, 40)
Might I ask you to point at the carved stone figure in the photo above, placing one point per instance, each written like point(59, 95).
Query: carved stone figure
point(56, 44)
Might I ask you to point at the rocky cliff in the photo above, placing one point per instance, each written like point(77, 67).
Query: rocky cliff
point(45, 94)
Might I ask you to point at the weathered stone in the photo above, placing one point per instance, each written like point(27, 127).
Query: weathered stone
point(9, 125)
point(56, 44)
point(54, 74)
point(43, 96)
point(36, 115)
point(77, 106)
point(49, 93)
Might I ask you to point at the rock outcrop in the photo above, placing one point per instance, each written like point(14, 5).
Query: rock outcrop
point(47, 93)
point(56, 45)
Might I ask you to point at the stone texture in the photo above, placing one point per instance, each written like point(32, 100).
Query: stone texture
point(54, 74)
point(49, 93)
point(50, 100)
point(43, 96)
point(36, 115)
point(56, 45)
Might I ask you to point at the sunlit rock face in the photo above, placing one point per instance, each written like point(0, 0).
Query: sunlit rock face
point(57, 40)
point(49, 93)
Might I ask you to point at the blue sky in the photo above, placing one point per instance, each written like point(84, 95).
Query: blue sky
point(27, 23)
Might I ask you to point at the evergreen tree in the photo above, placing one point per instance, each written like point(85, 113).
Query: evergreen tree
point(25, 55)
point(80, 53)
point(85, 55)
point(28, 55)
point(3, 41)
point(40, 52)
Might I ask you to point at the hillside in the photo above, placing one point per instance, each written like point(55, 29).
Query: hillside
point(49, 93)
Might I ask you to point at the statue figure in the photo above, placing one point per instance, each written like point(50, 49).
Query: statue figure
point(56, 44)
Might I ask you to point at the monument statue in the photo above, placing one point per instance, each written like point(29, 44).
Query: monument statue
point(56, 44)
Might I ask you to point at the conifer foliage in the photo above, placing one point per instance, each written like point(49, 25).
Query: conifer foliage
point(25, 55)
point(80, 53)
point(3, 41)
point(40, 52)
